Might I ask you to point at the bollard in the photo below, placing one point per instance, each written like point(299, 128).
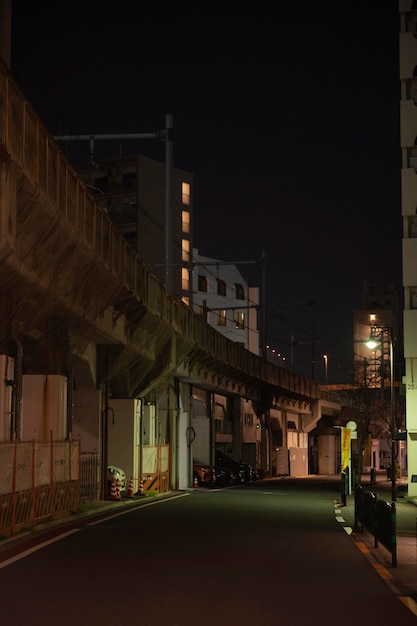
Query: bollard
point(373, 476)
point(394, 534)
point(343, 477)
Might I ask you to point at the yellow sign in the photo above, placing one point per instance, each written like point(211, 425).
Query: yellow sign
point(345, 448)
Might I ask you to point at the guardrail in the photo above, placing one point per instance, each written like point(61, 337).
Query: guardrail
point(379, 518)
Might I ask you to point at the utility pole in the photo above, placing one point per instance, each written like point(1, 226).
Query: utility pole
point(169, 157)
point(166, 135)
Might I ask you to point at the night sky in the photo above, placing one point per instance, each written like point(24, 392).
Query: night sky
point(286, 113)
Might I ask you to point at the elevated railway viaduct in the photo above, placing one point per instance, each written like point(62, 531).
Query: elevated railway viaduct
point(85, 325)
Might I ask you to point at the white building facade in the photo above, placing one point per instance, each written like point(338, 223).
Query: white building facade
point(408, 138)
point(222, 296)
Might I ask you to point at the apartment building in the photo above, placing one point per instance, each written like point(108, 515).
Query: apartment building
point(222, 296)
point(408, 141)
point(133, 190)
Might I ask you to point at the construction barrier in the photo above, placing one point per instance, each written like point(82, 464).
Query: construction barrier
point(24, 509)
point(154, 461)
point(38, 481)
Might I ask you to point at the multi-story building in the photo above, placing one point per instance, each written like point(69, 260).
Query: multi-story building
point(222, 296)
point(379, 310)
point(408, 139)
point(133, 190)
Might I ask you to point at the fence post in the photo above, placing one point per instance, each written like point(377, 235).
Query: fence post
point(343, 488)
point(393, 534)
point(358, 502)
point(375, 521)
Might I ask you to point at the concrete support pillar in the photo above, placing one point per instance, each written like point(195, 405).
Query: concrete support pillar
point(265, 443)
point(233, 409)
point(184, 439)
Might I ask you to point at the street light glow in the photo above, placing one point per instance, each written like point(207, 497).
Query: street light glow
point(372, 343)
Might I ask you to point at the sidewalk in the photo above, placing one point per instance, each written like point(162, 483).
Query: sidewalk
point(403, 577)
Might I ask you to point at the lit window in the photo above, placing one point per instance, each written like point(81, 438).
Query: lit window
point(185, 279)
point(221, 317)
point(240, 292)
point(186, 300)
point(221, 287)
point(186, 193)
point(202, 283)
point(186, 222)
point(185, 244)
point(240, 319)
point(248, 419)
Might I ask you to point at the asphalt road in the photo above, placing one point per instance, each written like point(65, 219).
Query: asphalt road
point(270, 554)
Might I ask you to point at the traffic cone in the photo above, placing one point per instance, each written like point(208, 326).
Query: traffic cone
point(117, 490)
point(140, 490)
point(130, 493)
point(113, 490)
point(195, 482)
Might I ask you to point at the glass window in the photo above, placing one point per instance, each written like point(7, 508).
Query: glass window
point(186, 193)
point(185, 244)
point(186, 222)
point(248, 419)
point(240, 319)
point(221, 317)
point(240, 292)
point(202, 283)
point(185, 276)
point(221, 287)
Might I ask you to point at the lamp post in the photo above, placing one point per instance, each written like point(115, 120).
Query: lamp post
point(372, 343)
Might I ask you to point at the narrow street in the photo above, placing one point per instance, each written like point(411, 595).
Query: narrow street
point(268, 554)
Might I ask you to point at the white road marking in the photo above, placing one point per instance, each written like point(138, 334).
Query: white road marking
point(39, 546)
point(22, 555)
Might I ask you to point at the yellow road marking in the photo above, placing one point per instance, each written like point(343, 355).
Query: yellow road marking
point(363, 547)
point(409, 603)
point(383, 572)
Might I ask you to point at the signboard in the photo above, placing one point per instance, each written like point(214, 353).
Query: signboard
point(345, 448)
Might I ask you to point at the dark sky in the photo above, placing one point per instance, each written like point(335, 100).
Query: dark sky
point(287, 114)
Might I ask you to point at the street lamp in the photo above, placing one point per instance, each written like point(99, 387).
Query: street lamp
point(325, 358)
point(374, 341)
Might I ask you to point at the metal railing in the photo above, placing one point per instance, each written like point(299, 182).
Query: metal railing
point(379, 518)
point(89, 476)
